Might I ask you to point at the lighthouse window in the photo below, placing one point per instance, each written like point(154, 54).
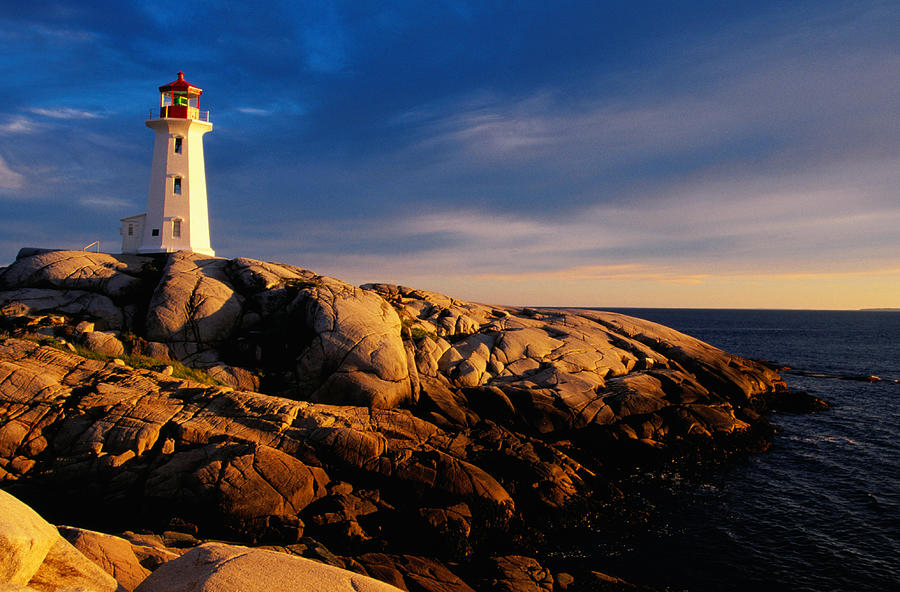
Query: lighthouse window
point(131, 230)
point(178, 145)
point(177, 187)
point(154, 232)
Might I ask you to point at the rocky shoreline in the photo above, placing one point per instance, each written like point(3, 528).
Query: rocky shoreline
point(427, 442)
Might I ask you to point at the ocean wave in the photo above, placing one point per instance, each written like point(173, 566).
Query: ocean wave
point(822, 438)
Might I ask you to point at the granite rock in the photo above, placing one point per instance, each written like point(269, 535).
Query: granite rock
point(194, 301)
point(103, 342)
point(74, 303)
point(115, 276)
point(406, 429)
point(33, 554)
point(115, 555)
point(217, 567)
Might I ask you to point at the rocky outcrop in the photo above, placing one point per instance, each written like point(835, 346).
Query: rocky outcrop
point(114, 276)
point(93, 286)
point(520, 574)
point(409, 431)
point(555, 371)
point(410, 572)
point(335, 343)
point(75, 303)
point(35, 557)
point(250, 461)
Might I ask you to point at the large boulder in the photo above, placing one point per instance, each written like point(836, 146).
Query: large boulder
point(412, 572)
point(115, 276)
point(253, 276)
point(194, 301)
point(25, 540)
point(103, 342)
point(356, 355)
point(217, 567)
point(76, 303)
point(340, 344)
point(115, 555)
point(33, 554)
point(256, 488)
point(515, 573)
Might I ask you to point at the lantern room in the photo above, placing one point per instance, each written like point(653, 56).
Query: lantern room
point(181, 100)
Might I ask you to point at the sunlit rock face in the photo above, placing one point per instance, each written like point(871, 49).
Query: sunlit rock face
point(33, 555)
point(402, 427)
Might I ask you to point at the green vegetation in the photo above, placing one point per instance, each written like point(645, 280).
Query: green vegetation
point(303, 283)
point(154, 267)
point(418, 333)
point(415, 332)
point(179, 370)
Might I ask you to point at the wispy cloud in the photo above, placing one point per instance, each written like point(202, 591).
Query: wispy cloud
point(622, 271)
point(104, 202)
point(254, 111)
point(65, 113)
point(788, 100)
point(583, 148)
point(10, 179)
point(670, 275)
point(18, 125)
point(65, 34)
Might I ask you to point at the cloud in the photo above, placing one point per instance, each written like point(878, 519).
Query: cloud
point(254, 111)
point(776, 155)
point(809, 222)
point(64, 34)
point(10, 179)
point(593, 142)
point(622, 271)
point(18, 125)
point(670, 275)
point(65, 113)
point(760, 106)
point(104, 202)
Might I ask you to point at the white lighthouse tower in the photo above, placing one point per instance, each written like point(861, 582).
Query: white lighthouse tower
point(177, 218)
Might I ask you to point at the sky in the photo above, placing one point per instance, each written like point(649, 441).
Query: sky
point(558, 153)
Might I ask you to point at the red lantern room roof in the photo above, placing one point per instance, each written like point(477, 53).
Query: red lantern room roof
point(181, 85)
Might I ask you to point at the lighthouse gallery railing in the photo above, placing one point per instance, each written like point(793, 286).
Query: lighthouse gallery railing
point(181, 112)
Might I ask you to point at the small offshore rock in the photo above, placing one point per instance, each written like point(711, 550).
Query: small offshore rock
point(798, 402)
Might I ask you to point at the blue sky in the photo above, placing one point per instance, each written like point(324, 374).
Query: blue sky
point(557, 153)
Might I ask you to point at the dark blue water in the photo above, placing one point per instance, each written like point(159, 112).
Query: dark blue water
point(821, 509)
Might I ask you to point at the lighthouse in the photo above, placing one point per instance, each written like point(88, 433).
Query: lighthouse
point(177, 217)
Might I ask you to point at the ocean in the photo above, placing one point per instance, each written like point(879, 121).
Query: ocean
point(821, 509)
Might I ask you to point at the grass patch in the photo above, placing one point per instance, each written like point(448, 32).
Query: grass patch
point(303, 283)
point(418, 333)
point(415, 332)
point(179, 370)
